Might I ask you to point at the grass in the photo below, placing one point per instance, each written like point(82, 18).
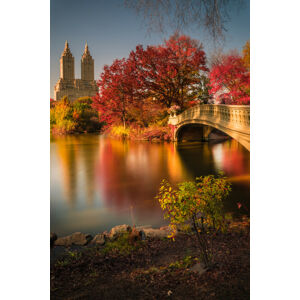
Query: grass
point(184, 263)
point(121, 245)
point(70, 257)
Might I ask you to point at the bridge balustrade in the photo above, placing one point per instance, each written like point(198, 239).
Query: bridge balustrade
point(231, 119)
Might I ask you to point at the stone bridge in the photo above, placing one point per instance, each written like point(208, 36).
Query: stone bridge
point(234, 120)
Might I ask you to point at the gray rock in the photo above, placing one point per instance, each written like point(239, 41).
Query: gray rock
point(99, 239)
point(76, 238)
point(118, 230)
point(160, 233)
point(199, 268)
point(142, 227)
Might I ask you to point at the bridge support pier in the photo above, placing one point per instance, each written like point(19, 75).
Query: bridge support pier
point(206, 132)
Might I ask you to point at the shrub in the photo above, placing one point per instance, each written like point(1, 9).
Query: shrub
point(120, 131)
point(66, 117)
point(157, 132)
point(198, 203)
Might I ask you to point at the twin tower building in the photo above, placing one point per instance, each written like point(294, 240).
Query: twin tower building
point(73, 88)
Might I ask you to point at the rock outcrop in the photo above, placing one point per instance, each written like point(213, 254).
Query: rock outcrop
point(76, 238)
point(99, 239)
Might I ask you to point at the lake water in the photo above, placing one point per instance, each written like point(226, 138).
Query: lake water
point(97, 183)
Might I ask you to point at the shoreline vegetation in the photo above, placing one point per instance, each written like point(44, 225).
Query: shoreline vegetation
point(80, 117)
point(148, 265)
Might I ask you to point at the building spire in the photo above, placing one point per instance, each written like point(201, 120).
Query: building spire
point(67, 51)
point(87, 65)
point(86, 49)
point(66, 45)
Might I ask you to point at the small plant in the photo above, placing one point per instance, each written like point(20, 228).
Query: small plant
point(122, 244)
point(185, 263)
point(74, 255)
point(198, 203)
point(94, 274)
point(62, 263)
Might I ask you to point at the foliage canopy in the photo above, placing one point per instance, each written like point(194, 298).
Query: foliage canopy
point(198, 203)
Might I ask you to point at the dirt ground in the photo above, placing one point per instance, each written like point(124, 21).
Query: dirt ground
point(146, 273)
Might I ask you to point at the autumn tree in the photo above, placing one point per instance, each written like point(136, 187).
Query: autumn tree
point(246, 55)
point(170, 73)
point(117, 89)
point(230, 80)
point(141, 87)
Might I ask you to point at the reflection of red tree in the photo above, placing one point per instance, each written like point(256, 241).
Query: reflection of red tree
point(125, 178)
point(230, 158)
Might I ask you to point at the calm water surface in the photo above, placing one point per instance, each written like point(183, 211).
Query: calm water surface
point(97, 183)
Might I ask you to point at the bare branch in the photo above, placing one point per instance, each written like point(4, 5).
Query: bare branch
point(211, 15)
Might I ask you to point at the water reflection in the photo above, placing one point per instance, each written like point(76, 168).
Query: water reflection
point(97, 183)
point(67, 153)
point(231, 158)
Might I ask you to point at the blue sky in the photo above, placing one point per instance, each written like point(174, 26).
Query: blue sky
point(112, 31)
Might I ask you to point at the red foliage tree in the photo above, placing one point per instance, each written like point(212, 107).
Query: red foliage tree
point(150, 80)
point(170, 73)
point(230, 81)
point(117, 88)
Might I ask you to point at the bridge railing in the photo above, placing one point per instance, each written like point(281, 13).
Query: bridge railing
point(234, 116)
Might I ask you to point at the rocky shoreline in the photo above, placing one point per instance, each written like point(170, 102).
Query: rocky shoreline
point(82, 239)
point(141, 263)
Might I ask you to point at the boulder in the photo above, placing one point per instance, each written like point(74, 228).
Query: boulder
point(53, 238)
point(160, 233)
point(76, 238)
point(136, 235)
point(118, 230)
point(199, 268)
point(143, 227)
point(164, 228)
point(99, 239)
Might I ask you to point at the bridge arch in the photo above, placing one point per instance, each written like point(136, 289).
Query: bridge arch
point(234, 120)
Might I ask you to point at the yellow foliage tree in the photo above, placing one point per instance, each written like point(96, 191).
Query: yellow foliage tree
point(246, 54)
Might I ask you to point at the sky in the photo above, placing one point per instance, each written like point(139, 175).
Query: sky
point(112, 31)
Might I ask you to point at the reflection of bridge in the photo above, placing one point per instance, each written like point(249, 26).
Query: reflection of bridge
point(233, 120)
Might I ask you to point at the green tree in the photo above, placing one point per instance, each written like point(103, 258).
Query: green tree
point(85, 116)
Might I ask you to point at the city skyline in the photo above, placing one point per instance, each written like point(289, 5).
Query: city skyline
point(112, 31)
